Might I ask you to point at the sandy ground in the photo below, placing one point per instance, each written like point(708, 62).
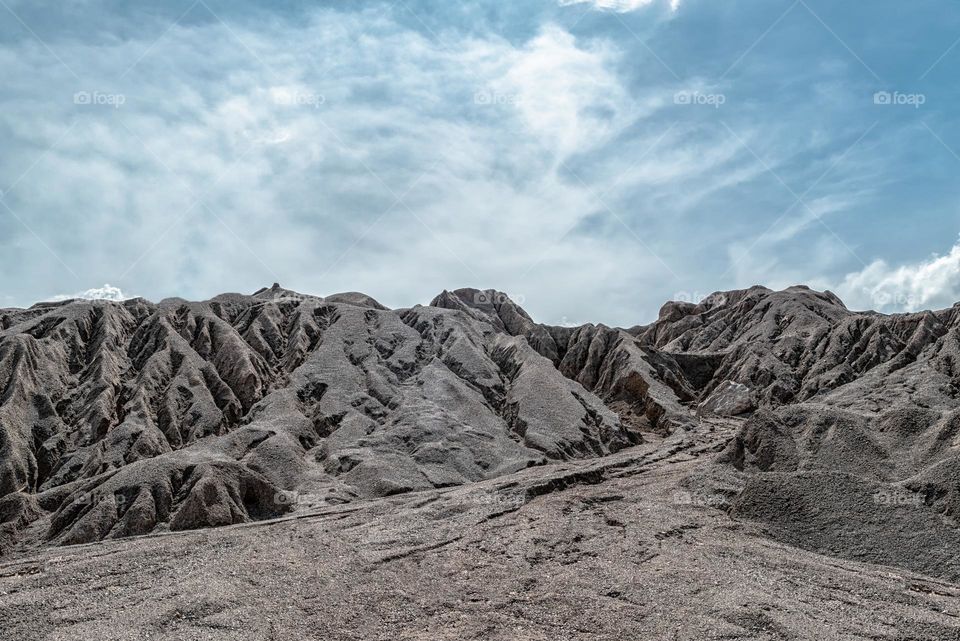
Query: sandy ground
point(605, 549)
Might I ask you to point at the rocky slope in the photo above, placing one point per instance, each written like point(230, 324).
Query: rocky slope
point(123, 419)
point(763, 465)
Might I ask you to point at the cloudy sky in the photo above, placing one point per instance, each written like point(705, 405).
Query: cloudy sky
point(592, 158)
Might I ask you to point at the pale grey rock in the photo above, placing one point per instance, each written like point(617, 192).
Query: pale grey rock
point(729, 399)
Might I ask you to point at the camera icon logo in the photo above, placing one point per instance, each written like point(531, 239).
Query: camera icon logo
point(286, 498)
point(483, 98)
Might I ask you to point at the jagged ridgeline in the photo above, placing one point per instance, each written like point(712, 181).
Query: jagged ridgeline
point(120, 419)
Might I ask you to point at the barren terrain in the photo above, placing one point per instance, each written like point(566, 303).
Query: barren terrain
point(762, 465)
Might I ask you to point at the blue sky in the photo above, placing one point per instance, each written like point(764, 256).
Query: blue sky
point(590, 158)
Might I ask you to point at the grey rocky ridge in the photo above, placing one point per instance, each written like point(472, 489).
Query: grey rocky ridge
point(458, 470)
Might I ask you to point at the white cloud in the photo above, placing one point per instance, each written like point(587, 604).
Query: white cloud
point(518, 163)
point(563, 93)
point(547, 164)
point(928, 284)
point(107, 292)
point(620, 6)
point(291, 173)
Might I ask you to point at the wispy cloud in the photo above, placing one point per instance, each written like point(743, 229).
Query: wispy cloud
point(564, 93)
point(403, 149)
point(444, 160)
point(622, 6)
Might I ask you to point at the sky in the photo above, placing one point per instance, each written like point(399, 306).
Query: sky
point(590, 158)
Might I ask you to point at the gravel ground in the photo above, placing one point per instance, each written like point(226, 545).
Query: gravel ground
point(614, 548)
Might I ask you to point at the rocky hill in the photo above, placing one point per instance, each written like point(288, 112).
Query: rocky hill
point(663, 481)
point(118, 419)
point(123, 419)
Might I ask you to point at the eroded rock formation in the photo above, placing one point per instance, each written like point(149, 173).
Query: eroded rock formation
point(120, 419)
